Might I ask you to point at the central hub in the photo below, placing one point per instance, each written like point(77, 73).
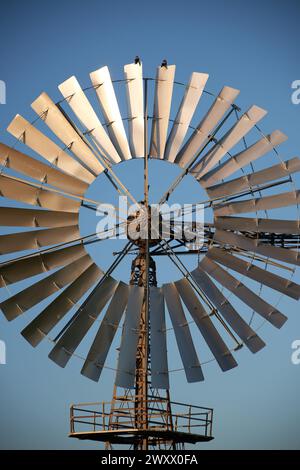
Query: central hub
point(142, 224)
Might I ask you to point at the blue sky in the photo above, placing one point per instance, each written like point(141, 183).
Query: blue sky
point(252, 46)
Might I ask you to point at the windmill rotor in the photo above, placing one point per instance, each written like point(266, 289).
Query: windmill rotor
point(241, 238)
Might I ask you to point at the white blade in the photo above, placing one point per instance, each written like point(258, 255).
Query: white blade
point(105, 92)
point(255, 245)
point(241, 159)
point(214, 341)
point(37, 141)
point(99, 350)
point(61, 127)
point(161, 110)
point(258, 225)
point(245, 123)
point(24, 192)
point(33, 240)
point(230, 315)
point(258, 204)
point(27, 298)
point(183, 335)
point(135, 104)
point(15, 217)
point(85, 318)
point(36, 331)
point(11, 158)
point(159, 358)
point(82, 108)
point(185, 113)
point(14, 271)
point(265, 310)
point(238, 185)
point(201, 134)
point(271, 280)
point(125, 376)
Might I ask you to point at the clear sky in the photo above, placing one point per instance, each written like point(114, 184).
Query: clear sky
point(253, 46)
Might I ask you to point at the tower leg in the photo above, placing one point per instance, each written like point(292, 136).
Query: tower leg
point(141, 381)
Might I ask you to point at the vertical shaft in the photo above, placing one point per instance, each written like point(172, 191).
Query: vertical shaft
point(141, 381)
point(138, 277)
point(143, 352)
point(146, 197)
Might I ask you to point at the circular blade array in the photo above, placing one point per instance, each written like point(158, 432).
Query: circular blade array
point(55, 185)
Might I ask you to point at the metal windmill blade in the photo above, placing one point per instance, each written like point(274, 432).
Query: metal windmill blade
point(84, 303)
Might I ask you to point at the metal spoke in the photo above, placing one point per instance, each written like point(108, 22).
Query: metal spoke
point(99, 156)
point(189, 166)
point(189, 277)
point(62, 193)
point(85, 240)
point(209, 203)
point(105, 275)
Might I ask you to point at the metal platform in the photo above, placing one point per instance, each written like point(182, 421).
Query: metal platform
point(130, 436)
point(96, 422)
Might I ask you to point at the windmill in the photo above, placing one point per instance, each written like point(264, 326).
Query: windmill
point(241, 239)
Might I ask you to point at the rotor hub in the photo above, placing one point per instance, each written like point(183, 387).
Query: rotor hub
point(142, 224)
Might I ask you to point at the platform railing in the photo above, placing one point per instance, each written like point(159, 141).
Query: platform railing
point(100, 417)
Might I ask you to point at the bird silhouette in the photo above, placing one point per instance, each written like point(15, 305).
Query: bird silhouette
point(164, 63)
point(137, 60)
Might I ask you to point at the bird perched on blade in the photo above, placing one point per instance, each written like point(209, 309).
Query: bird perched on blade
point(164, 63)
point(137, 60)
